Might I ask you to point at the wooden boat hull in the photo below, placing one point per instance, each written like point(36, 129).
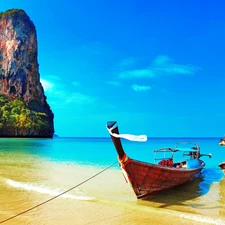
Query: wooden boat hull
point(147, 178)
point(222, 167)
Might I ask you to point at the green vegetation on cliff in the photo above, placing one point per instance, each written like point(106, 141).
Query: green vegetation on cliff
point(11, 12)
point(17, 120)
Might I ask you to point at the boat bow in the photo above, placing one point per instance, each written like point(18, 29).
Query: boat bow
point(113, 129)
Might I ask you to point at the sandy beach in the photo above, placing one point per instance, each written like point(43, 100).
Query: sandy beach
point(105, 199)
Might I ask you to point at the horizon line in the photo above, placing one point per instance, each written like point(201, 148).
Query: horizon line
point(147, 137)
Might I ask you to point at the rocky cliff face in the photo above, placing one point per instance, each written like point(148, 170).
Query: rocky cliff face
point(19, 75)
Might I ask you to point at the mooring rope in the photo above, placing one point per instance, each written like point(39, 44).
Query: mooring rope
point(25, 211)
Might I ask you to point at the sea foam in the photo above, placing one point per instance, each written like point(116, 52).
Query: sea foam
point(203, 219)
point(46, 190)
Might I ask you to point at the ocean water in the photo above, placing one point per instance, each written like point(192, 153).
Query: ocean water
point(35, 170)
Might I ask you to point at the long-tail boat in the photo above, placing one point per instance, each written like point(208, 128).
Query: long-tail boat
point(222, 166)
point(222, 141)
point(147, 178)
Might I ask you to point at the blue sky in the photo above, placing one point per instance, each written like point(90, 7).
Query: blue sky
point(157, 67)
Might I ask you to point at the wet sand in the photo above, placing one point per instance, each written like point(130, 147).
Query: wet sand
point(104, 212)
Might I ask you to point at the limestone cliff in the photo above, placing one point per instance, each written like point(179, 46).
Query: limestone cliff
point(19, 71)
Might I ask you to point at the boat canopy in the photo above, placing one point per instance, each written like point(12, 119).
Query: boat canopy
point(190, 149)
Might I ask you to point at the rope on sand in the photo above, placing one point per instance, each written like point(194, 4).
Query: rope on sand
point(36, 206)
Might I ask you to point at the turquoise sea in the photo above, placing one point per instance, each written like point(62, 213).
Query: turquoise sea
point(35, 170)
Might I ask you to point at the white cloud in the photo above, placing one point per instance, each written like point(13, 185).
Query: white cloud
point(59, 95)
point(46, 84)
point(140, 88)
point(162, 65)
point(161, 60)
point(77, 97)
point(143, 73)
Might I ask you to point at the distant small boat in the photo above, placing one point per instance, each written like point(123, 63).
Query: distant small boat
point(222, 166)
point(147, 178)
point(222, 141)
